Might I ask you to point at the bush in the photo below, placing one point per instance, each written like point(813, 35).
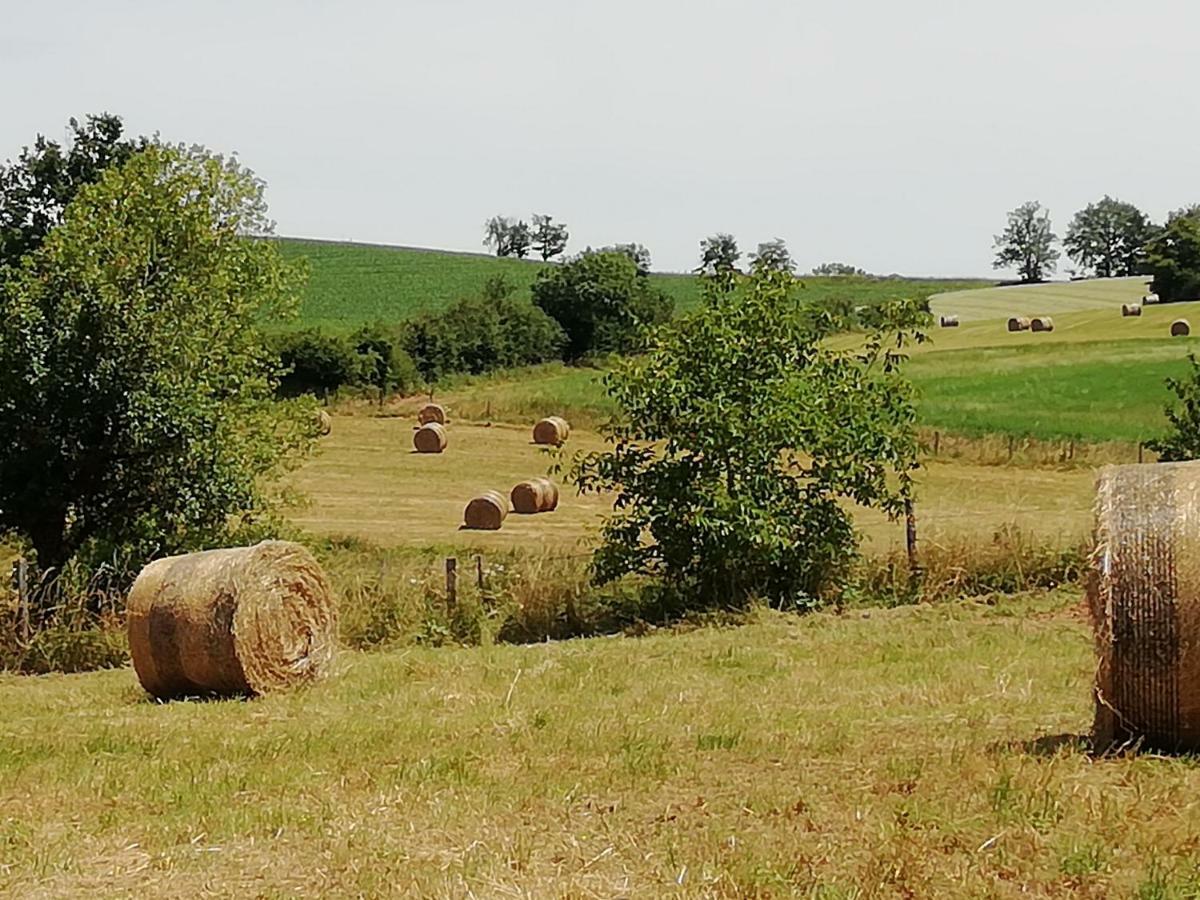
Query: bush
point(316, 363)
point(382, 361)
point(1173, 257)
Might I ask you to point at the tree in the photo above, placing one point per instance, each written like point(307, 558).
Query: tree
point(498, 235)
point(1027, 243)
point(773, 256)
point(1173, 257)
point(601, 302)
point(837, 269)
point(1183, 441)
point(136, 390)
point(1109, 238)
point(36, 188)
point(520, 238)
point(549, 237)
point(739, 436)
point(718, 254)
point(639, 254)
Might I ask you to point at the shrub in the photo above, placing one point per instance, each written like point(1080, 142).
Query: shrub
point(316, 363)
point(382, 361)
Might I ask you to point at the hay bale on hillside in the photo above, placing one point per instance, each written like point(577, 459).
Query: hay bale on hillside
point(551, 431)
point(537, 495)
point(1018, 323)
point(1180, 328)
point(486, 512)
point(1150, 298)
point(324, 422)
point(432, 412)
point(246, 620)
point(1041, 323)
point(1144, 597)
point(948, 321)
point(430, 438)
point(1131, 309)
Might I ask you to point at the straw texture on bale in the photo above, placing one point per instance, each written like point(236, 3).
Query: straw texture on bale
point(1042, 323)
point(432, 412)
point(486, 512)
point(324, 422)
point(553, 430)
point(1018, 323)
point(537, 495)
point(430, 438)
point(246, 620)
point(1144, 598)
point(1181, 328)
point(949, 321)
point(1131, 309)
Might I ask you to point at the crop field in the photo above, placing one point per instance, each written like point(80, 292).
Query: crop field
point(1049, 299)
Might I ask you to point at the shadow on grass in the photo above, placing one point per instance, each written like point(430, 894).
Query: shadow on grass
point(1047, 745)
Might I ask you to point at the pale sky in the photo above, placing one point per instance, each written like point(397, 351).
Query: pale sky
point(891, 135)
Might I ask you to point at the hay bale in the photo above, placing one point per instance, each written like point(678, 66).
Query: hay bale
point(1144, 597)
point(1018, 323)
point(431, 412)
point(536, 495)
point(486, 512)
point(1041, 323)
point(246, 620)
point(551, 431)
point(324, 422)
point(1180, 328)
point(1150, 298)
point(1131, 309)
point(430, 438)
point(948, 321)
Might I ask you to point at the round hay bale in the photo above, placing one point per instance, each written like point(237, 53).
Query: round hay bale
point(949, 321)
point(1144, 599)
point(1041, 323)
point(536, 495)
point(1131, 309)
point(551, 431)
point(324, 422)
point(1180, 328)
point(486, 512)
point(430, 438)
point(432, 412)
point(1018, 323)
point(246, 620)
point(1150, 298)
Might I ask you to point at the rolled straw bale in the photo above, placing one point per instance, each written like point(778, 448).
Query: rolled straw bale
point(324, 422)
point(1131, 309)
point(432, 412)
point(1150, 298)
point(552, 430)
point(1041, 323)
point(1180, 328)
point(536, 495)
point(430, 438)
point(246, 620)
point(486, 512)
point(1018, 323)
point(949, 321)
point(1144, 597)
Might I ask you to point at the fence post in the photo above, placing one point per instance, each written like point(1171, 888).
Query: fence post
point(479, 571)
point(937, 442)
point(1140, 447)
point(20, 582)
point(910, 538)
point(1010, 448)
point(451, 583)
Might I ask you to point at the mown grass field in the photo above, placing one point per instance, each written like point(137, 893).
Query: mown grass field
point(1050, 299)
point(922, 752)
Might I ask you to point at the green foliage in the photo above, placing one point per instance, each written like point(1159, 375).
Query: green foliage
point(773, 256)
point(1109, 238)
point(1173, 257)
point(1027, 243)
point(719, 254)
point(383, 362)
point(549, 237)
point(837, 268)
point(313, 362)
point(1183, 441)
point(135, 388)
point(637, 252)
point(507, 237)
point(601, 302)
point(740, 434)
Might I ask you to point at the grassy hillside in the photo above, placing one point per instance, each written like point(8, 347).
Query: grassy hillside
point(1039, 299)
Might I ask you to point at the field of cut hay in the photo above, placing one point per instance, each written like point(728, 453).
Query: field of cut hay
point(1050, 299)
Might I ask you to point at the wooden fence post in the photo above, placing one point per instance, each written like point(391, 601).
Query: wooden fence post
point(20, 582)
point(910, 538)
point(451, 583)
point(1140, 448)
point(479, 571)
point(937, 442)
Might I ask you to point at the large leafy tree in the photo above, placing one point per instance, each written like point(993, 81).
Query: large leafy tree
point(1108, 238)
point(719, 255)
point(773, 256)
point(740, 436)
point(136, 391)
point(549, 237)
point(637, 252)
point(1027, 243)
point(1173, 256)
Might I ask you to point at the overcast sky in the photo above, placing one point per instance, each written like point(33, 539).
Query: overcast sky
point(892, 135)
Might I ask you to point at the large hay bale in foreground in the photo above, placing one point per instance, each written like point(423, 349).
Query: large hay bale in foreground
point(1144, 597)
point(432, 412)
point(537, 495)
point(1041, 323)
point(551, 431)
point(486, 512)
point(948, 321)
point(324, 422)
point(430, 438)
point(1131, 309)
point(1181, 328)
point(246, 620)
point(1018, 323)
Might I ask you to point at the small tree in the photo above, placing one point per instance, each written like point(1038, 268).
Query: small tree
point(520, 239)
point(136, 390)
point(1183, 441)
point(773, 256)
point(498, 235)
point(638, 253)
point(549, 237)
point(718, 254)
point(837, 269)
point(1109, 238)
point(739, 435)
point(1173, 257)
point(601, 302)
point(1027, 243)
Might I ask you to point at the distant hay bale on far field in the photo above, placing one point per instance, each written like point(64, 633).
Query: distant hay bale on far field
point(949, 321)
point(551, 431)
point(1041, 323)
point(324, 422)
point(1018, 323)
point(1144, 599)
point(246, 620)
point(432, 412)
point(1180, 328)
point(537, 495)
point(1131, 309)
point(1150, 298)
point(430, 438)
point(486, 512)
